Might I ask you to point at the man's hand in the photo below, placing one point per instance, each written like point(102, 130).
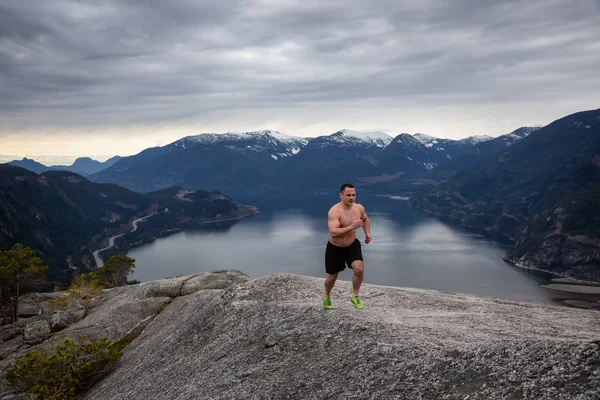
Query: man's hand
point(368, 239)
point(357, 223)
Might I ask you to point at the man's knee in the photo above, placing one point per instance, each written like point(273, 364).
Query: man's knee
point(358, 268)
point(331, 277)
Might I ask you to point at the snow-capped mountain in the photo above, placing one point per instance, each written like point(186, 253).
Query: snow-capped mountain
point(423, 152)
point(278, 145)
point(350, 137)
point(262, 161)
point(425, 139)
point(411, 153)
point(448, 146)
point(207, 160)
point(344, 146)
point(516, 135)
point(485, 149)
point(473, 140)
point(433, 142)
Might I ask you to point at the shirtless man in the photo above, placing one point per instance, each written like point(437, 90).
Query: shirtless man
point(343, 248)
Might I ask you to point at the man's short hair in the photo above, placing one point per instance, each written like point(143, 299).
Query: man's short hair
point(346, 185)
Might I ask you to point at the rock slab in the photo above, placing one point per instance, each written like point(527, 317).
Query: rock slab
point(269, 338)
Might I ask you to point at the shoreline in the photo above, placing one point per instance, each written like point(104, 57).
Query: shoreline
point(569, 292)
point(558, 275)
point(574, 289)
point(169, 232)
point(111, 240)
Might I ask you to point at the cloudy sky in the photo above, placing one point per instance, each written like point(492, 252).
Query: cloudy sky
point(99, 78)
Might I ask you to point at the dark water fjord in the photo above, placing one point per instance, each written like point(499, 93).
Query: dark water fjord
point(409, 249)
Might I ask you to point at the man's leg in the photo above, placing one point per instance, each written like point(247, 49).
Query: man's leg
point(329, 282)
point(358, 268)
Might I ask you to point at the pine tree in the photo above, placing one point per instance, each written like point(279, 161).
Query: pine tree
point(116, 270)
point(20, 270)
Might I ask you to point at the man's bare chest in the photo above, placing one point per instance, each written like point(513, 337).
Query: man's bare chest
point(348, 217)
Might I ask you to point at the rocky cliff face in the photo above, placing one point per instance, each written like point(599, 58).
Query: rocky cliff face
point(563, 239)
point(269, 338)
point(568, 255)
point(542, 193)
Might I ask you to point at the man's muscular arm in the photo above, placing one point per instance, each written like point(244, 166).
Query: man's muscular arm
point(366, 225)
point(333, 221)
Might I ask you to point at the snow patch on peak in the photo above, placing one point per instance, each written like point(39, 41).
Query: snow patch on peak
point(524, 131)
point(282, 137)
point(529, 130)
point(278, 135)
point(277, 144)
point(365, 135)
point(423, 138)
point(381, 139)
point(208, 138)
point(476, 139)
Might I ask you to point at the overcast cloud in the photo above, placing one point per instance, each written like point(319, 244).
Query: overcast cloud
point(86, 77)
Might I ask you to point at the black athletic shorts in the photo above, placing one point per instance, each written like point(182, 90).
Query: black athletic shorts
point(337, 258)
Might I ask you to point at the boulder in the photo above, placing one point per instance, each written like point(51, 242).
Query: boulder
point(37, 331)
point(170, 287)
point(218, 279)
point(75, 312)
point(37, 303)
point(125, 307)
point(61, 319)
point(28, 307)
point(58, 322)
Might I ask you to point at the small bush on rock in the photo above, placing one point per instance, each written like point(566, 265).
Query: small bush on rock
point(84, 288)
point(60, 303)
point(65, 371)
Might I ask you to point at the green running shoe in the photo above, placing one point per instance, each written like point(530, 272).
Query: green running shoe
point(356, 301)
point(327, 303)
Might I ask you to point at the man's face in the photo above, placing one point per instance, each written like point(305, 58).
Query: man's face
point(348, 196)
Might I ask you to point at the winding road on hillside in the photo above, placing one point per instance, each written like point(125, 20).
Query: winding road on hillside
point(111, 241)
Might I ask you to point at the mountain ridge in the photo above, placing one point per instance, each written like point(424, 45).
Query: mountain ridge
point(262, 161)
point(82, 166)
